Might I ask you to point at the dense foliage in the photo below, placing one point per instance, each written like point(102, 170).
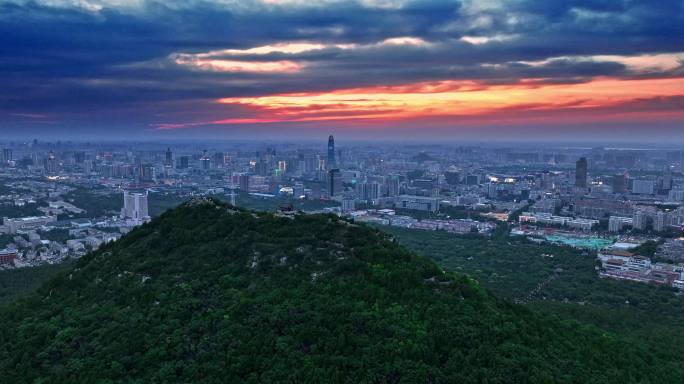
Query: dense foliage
point(96, 202)
point(21, 281)
point(57, 234)
point(158, 203)
point(28, 209)
point(6, 239)
point(648, 248)
point(561, 281)
point(209, 293)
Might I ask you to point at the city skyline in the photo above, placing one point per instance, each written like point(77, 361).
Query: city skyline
point(515, 71)
point(342, 191)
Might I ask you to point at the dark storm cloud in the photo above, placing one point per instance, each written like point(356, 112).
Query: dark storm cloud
point(74, 63)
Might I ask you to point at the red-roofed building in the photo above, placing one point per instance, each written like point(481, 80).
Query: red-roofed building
point(7, 256)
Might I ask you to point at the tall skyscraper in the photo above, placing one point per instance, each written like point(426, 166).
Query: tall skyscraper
point(51, 163)
point(619, 183)
point(205, 161)
point(331, 153)
point(6, 155)
point(184, 162)
point(667, 178)
point(581, 173)
point(168, 158)
point(546, 183)
point(218, 159)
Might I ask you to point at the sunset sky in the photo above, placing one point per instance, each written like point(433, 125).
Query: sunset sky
point(440, 70)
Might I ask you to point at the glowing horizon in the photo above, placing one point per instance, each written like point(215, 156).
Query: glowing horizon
point(450, 99)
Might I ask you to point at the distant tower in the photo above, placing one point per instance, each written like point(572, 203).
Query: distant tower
point(619, 183)
point(581, 173)
point(168, 160)
point(219, 159)
point(331, 153)
point(667, 178)
point(546, 183)
point(205, 161)
point(7, 155)
point(184, 162)
point(51, 163)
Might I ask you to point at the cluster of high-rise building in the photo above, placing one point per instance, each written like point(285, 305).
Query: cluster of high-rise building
point(596, 184)
point(588, 193)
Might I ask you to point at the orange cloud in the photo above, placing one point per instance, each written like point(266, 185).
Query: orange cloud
point(453, 98)
point(466, 101)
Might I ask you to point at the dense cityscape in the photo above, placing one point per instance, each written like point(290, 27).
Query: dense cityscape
point(61, 199)
point(342, 191)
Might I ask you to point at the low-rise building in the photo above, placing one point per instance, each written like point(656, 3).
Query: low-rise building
point(420, 203)
point(623, 265)
point(549, 219)
point(21, 224)
point(7, 256)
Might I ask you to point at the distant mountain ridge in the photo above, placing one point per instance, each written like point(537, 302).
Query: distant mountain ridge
point(212, 293)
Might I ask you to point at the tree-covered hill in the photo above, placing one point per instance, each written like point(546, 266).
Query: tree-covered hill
point(559, 280)
point(210, 293)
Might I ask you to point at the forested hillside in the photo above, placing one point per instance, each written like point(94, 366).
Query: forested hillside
point(561, 281)
point(210, 293)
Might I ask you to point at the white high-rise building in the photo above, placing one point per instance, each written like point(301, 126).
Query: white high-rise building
point(135, 207)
